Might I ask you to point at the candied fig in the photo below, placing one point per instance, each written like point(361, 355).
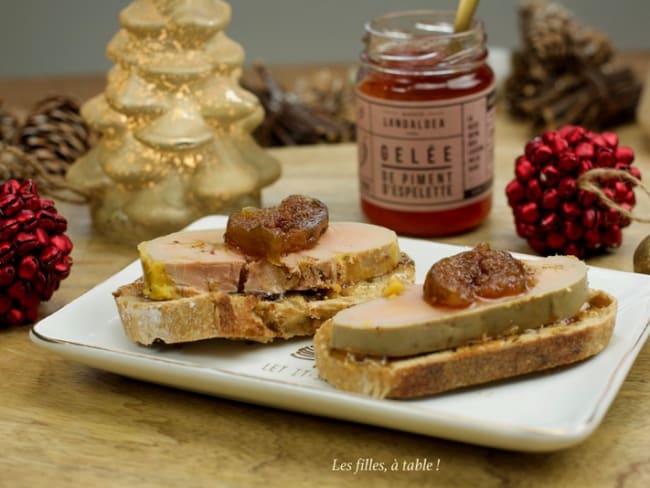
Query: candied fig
point(295, 224)
point(458, 281)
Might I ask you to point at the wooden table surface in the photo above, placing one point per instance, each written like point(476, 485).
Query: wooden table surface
point(66, 424)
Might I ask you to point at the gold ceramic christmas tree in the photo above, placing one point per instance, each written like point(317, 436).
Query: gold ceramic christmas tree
point(176, 125)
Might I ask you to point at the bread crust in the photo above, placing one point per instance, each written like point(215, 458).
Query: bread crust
point(241, 316)
point(554, 345)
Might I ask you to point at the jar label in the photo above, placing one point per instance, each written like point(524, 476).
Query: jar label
point(425, 156)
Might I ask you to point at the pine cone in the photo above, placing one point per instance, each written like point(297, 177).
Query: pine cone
point(55, 134)
point(8, 126)
point(545, 30)
point(591, 47)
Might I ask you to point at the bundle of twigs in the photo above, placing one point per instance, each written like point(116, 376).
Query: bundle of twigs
point(565, 73)
point(309, 115)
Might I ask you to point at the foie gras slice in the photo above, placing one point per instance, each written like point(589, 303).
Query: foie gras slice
point(346, 253)
point(199, 261)
point(405, 324)
point(189, 261)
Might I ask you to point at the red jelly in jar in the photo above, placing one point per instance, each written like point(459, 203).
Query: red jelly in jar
point(425, 102)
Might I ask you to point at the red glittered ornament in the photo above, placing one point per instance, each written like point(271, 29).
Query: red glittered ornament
point(34, 251)
point(552, 211)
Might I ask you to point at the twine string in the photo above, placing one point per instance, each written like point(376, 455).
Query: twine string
point(588, 181)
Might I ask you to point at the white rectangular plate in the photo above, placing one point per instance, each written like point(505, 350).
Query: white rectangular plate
point(542, 412)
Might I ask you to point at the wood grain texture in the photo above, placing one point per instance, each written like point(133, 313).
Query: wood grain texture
point(64, 424)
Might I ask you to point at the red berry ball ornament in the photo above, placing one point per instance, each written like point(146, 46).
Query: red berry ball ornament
point(551, 211)
point(34, 251)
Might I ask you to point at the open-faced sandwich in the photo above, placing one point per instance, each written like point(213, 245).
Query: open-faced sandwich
point(271, 273)
point(480, 316)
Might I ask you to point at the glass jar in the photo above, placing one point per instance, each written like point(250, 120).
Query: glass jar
point(425, 102)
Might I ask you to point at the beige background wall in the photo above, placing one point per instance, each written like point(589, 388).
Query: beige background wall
point(44, 37)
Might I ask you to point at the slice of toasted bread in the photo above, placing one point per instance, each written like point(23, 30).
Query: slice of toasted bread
point(254, 317)
point(554, 345)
